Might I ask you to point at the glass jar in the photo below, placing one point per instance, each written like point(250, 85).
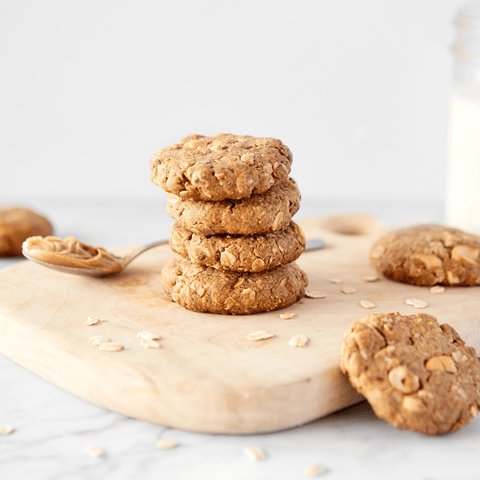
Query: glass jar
point(463, 150)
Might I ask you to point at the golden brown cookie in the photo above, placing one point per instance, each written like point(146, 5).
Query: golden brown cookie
point(220, 167)
point(207, 289)
point(269, 212)
point(428, 255)
point(416, 374)
point(16, 225)
point(239, 253)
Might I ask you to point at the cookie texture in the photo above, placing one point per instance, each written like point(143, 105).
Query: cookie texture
point(207, 289)
point(239, 253)
point(220, 167)
point(16, 225)
point(416, 374)
point(269, 212)
point(428, 255)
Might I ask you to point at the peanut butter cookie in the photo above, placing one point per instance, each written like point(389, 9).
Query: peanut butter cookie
point(220, 167)
point(207, 289)
point(239, 253)
point(16, 225)
point(428, 255)
point(416, 374)
point(269, 212)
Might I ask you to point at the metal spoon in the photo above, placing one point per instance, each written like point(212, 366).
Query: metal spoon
point(312, 244)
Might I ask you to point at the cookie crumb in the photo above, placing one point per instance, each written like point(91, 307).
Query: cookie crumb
point(316, 294)
point(97, 340)
point(146, 343)
point(287, 315)
point(415, 302)
point(166, 444)
point(370, 278)
point(260, 335)
point(313, 470)
point(336, 280)
point(437, 289)
point(348, 290)
point(110, 347)
point(6, 430)
point(298, 341)
point(367, 304)
point(255, 453)
point(92, 321)
point(94, 451)
point(148, 336)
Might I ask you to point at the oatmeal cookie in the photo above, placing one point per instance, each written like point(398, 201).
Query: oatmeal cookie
point(416, 374)
point(220, 167)
point(239, 253)
point(16, 225)
point(207, 289)
point(428, 255)
point(269, 212)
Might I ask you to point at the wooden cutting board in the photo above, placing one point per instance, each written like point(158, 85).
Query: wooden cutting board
point(207, 376)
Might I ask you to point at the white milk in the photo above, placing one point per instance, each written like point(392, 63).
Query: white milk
point(463, 159)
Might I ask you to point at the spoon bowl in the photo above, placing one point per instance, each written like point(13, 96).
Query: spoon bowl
point(88, 272)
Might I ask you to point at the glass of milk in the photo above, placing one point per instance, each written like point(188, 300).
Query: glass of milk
point(463, 151)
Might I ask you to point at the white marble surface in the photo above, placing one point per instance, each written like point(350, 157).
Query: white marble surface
point(53, 427)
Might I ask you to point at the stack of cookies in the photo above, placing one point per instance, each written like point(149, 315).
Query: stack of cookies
point(233, 203)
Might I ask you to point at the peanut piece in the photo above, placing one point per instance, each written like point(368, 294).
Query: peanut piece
point(430, 261)
point(465, 254)
point(442, 362)
point(403, 380)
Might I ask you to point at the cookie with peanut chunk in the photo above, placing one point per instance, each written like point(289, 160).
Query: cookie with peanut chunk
point(16, 225)
point(416, 374)
point(220, 167)
point(428, 255)
point(207, 289)
point(239, 253)
point(268, 212)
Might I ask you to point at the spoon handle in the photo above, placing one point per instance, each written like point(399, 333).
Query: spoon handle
point(135, 253)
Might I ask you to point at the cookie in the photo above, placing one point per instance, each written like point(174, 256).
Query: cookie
point(239, 253)
point(207, 289)
point(428, 255)
point(16, 225)
point(269, 212)
point(220, 167)
point(416, 374)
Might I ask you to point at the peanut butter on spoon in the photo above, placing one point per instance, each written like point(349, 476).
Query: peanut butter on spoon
point(71, 253)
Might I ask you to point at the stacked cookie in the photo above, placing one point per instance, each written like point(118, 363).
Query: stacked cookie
point(233, 203)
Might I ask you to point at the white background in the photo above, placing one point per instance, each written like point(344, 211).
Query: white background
point(358, 90)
